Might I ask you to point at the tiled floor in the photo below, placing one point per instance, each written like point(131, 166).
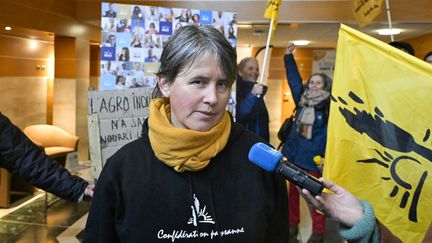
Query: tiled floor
point(33, 222)
point(64, 222)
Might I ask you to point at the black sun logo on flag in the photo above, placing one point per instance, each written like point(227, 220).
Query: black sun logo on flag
point(392, 137)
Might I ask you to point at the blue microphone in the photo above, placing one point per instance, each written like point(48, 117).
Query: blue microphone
point(272, 160)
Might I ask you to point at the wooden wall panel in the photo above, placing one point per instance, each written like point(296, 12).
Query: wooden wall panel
point(21, 56)
point(11, 46)
point(65, 57)
point(422, 45)
point(56, 16)
point(10, 66)
point(94, 60)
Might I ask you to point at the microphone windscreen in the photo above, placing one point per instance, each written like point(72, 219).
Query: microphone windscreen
point(265, 156)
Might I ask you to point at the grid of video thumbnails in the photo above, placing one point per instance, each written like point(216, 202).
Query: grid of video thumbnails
point(133, 37)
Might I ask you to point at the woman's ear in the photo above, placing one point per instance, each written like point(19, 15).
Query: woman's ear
point(163, 85)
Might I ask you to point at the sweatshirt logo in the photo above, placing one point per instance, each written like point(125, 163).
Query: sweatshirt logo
point(199, 215)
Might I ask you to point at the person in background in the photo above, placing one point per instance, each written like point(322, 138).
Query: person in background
point(153, 14)
point(307, 137)
point(138, 29)
point(356, 217)
point(183, 16)
point(428, 57)
point(136, 42)
point(195, 18)
point(110, 13)
point(188, 176)
point(110, 26)
point(152, 29)
point(120, 82)
point(231, 33)
point(137, 13)
point(403, 46)
point(110, 41)
point(123, 25)
point(150, 56)
point(251, 110)
point(20, 156)
point(124, 54)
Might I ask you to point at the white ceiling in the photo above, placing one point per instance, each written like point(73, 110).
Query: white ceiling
point(314, 20)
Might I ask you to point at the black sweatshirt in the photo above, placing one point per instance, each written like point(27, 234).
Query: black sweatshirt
point(140, 199)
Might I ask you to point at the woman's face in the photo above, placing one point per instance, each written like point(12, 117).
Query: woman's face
point(316, 83)
point(198, 95)
point(122, 80)
point(250, 71)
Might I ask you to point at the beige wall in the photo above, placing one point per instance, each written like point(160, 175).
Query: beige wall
point(60, 99)
point(23, 86)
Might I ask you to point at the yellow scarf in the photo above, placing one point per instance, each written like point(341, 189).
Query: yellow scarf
point(181, 148)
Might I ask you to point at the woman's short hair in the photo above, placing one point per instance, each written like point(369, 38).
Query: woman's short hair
point(327, 80)
point(404, 46)
point(190, 42)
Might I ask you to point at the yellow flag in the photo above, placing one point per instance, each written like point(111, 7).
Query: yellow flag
point(271, 12)
point(379, 143)
point(365, 11)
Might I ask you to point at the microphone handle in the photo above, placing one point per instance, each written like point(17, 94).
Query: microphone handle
point(299, 177)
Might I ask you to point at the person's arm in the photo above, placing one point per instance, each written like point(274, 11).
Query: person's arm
point(357, 218)
point(20, 156)
point(292, 73)
point(246, 105)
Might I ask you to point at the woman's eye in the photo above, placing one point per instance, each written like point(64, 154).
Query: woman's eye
point(222, 85)
point(197, 82)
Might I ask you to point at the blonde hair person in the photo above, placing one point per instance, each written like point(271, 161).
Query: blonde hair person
point(251, 110)
point(188, 176)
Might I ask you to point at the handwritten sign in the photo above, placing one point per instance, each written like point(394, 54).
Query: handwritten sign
point(115, 119)
point(365, 11)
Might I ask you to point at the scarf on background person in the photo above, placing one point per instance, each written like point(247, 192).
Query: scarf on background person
point(306, 119)
point(181, 148)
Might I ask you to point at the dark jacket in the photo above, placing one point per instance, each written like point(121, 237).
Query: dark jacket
point(140, 199)
point(298, 149)
point(251, 111)
point(21, 157)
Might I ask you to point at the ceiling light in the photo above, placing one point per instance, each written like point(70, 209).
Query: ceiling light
point(301, 42)
point(389, 31)
point(8, 28)
point(244, 26)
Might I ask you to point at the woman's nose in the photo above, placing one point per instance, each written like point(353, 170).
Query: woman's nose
point(210, 95)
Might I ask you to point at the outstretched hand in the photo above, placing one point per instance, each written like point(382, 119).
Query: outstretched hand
point(340, 204)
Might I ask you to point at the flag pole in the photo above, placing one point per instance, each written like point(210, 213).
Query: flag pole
point(261, 80)
point(389, 19)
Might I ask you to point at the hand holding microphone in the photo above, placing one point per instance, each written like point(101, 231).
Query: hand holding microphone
point(273, 161)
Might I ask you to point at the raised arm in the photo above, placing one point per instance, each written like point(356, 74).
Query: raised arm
point(292, 73)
